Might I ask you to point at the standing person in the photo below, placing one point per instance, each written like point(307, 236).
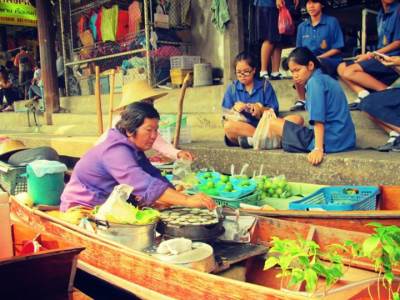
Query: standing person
point(332, 129)
point(321, 34)
point(24, 62)
point(7, 90)
point(248, 96)
point(35, 90)
point(369, 74)
point(60, 73)
point(267, 32)
point(120, 159)
point(140, 91)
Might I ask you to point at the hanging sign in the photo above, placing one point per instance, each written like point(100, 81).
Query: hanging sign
point(17, 12)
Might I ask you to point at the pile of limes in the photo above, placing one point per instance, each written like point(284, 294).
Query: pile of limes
point(276, 187)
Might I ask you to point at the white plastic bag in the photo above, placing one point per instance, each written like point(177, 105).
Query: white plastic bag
point(263, 138)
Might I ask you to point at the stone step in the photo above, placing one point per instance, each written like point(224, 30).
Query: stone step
point(361, 167)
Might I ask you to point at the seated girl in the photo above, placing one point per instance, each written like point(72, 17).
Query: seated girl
point(332, 129)
point(247, 97)
point(321, 34)
point(368, 73)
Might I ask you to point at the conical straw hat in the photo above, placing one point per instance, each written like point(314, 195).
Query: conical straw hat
point(136, 91)
point(10, 146)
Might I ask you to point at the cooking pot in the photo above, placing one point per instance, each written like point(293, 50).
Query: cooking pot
point(194, 232)
point(136, 237)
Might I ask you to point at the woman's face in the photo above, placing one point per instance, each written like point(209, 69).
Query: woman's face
point(301, 73)
point(244, 72)
point(145, 135)
point(314, 8)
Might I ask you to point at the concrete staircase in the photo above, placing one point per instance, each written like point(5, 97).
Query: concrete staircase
point(74, 132)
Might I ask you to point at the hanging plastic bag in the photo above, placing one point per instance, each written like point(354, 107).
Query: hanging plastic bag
point(263, 139)
point(285, 21)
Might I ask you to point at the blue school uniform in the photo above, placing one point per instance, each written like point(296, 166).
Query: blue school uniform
point(326, 35)
point(326, 103)
point(389, 27)
point(262, 93)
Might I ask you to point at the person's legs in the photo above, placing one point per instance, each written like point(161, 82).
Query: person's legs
point(361, 80)
point(276, 126)
point(276, 62)
point(267, 49)
point(301, 96)
point(235, 129)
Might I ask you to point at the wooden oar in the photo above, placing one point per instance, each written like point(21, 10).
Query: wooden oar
point(98, 102)
point(180, 109)
point(111, 101)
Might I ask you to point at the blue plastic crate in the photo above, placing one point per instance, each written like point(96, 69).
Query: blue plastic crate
point(339, 198)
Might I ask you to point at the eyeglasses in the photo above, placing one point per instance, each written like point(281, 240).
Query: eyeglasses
point(244, 73)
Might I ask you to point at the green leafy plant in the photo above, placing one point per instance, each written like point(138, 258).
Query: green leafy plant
point(383, 248)
point(299, 261)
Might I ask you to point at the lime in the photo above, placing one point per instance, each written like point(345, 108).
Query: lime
point(210, 184)
point(224, 178)
point(228, 188)
point(278, 191)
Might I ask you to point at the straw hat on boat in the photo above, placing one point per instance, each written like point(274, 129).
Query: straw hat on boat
point(136, 91)
point(9, 147)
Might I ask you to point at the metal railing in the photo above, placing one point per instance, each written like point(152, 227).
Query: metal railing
point(365, 13)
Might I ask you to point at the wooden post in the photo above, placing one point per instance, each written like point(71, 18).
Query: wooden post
point(111, 102)
point(180, 109)
point(6, 244)
point(98, 102)
point(47, 58)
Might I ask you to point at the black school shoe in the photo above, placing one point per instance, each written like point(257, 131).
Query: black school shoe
point(298, 106)
point(275, 77)
point(392, 145)
point(244, 143)
point(354, 106)
point(396, 144)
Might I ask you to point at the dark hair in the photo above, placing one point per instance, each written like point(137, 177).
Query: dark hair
point(133, 116)
point(301, 56)
point(24, 48)
point(4, 74)
point(246, 56)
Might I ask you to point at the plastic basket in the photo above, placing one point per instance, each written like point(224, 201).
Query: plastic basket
point(184, 62)
point(12, 179)
point(299, 191)
point(339, 198)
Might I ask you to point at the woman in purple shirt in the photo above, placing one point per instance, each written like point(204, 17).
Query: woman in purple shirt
point(120, 159)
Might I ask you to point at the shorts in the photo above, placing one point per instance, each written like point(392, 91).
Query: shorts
point(329, 65)
point(384, 106)
point(378, 70)
point(296, 138)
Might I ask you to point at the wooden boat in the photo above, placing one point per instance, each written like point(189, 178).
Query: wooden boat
point(387, 214)
point(48, 273)
point(149, 278)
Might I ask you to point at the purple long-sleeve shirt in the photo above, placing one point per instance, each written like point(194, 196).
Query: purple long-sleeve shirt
point(112, 162)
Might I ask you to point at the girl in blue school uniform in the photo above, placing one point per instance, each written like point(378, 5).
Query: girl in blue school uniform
point(368, 73)
point(331, 127)
point(321, 34)
point(249, 97)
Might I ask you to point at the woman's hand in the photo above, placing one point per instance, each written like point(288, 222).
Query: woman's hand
point(183, 154)
point(363, 57)
point(256, 109)
point(316, 156)
point(390, 60)
point(239, 106)
point(200, 200)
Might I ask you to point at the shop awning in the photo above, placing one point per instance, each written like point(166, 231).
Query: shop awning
point(17, 12)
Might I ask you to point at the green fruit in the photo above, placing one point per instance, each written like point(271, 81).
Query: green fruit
point(260, 186)
point(210, 184)
point(229, 184)
point(224, 178)
point(278, 191)
point(267, 185)
point(271, 191)
point(275, 196)
point(228, 188)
